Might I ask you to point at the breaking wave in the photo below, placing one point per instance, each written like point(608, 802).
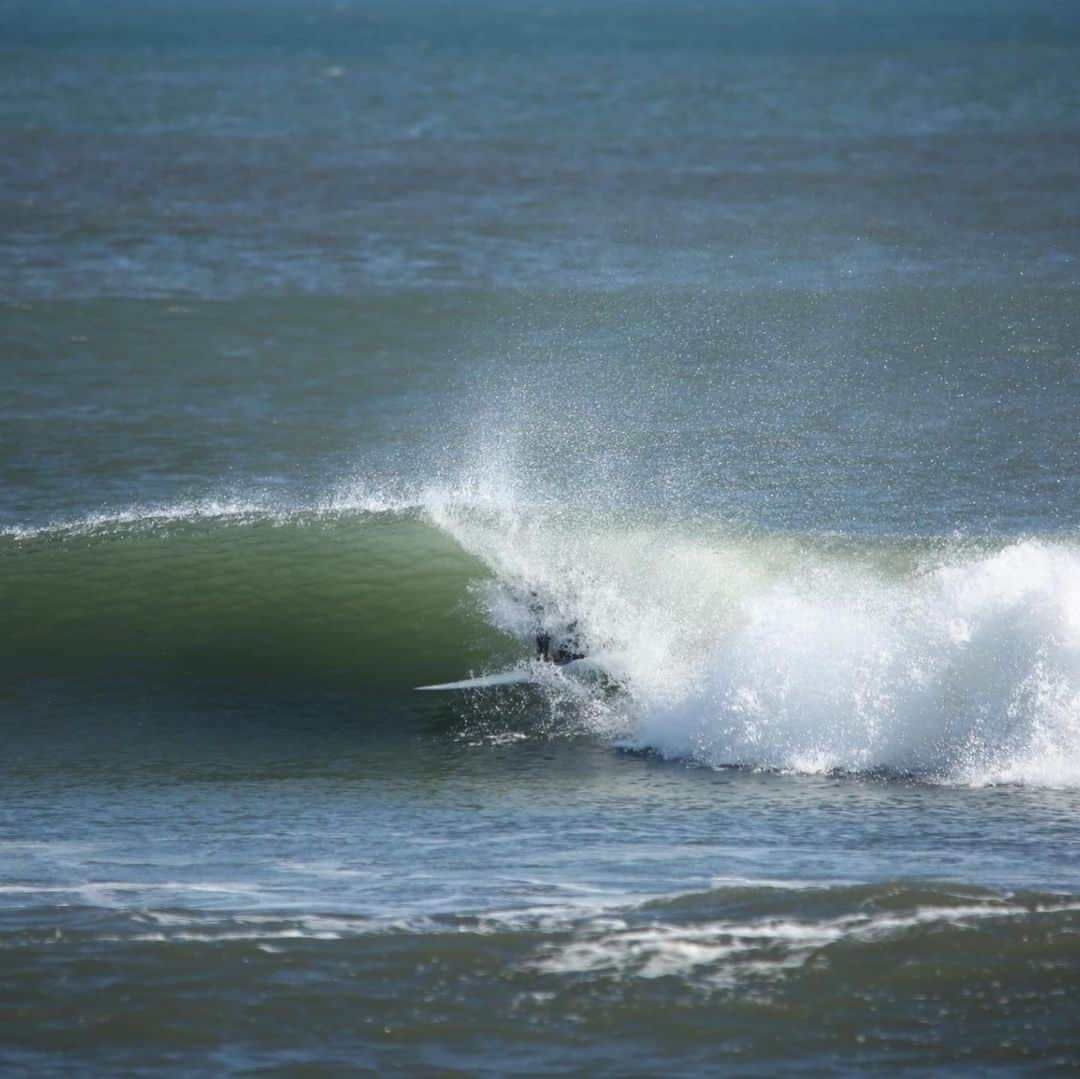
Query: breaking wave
point(948, 660)
point(953, 660)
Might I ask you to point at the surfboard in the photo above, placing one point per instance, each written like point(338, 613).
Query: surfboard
point(583, 668)
point(518, 676)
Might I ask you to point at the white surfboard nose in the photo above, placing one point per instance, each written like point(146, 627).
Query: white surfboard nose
point(535, 674)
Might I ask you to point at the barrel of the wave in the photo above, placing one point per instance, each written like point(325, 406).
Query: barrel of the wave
point(247, 599)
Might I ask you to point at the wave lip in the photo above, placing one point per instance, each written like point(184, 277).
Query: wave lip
point(246, 508)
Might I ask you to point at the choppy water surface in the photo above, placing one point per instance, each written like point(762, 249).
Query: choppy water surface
point(340, 341)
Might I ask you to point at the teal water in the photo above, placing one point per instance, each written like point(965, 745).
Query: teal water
point(346, 346)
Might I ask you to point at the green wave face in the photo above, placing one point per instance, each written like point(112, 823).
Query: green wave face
point(361, 603)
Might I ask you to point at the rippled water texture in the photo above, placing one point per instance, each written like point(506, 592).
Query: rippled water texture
point(347, 347)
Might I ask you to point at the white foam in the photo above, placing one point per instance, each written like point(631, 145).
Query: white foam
point(966, 671)
point(956, 664)
point(121, 894)
point(353, 497)
point(149, 515)
point(723, 954)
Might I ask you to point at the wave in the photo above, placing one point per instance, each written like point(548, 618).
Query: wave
point(735, 938)
point(949, 660)
point(776, 973)
point(801, 916)
point(344, 593)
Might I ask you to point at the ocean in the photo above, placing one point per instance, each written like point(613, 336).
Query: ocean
point(350, 347)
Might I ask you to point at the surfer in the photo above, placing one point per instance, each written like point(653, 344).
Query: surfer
point(559, 650)
point(560, 647)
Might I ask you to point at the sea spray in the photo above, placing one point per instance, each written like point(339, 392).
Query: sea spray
point(953, 662)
